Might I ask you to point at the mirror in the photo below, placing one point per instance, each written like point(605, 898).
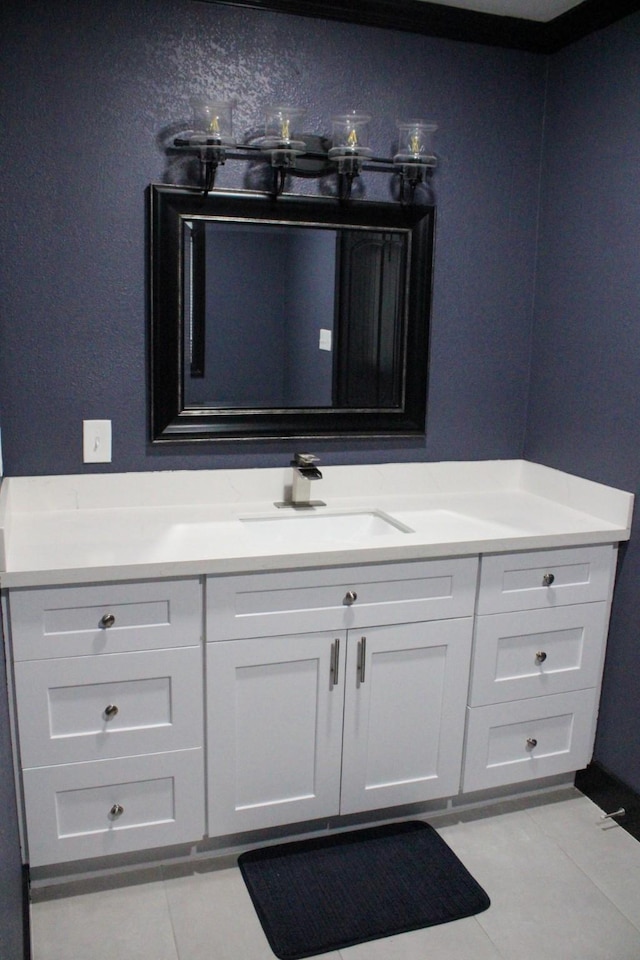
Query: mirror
point(288, 317)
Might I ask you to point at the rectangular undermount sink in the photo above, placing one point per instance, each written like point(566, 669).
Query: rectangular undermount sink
point(357, 525)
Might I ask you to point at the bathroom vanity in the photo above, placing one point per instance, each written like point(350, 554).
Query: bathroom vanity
point(190, 663)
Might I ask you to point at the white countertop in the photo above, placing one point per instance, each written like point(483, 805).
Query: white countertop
point(87, 528)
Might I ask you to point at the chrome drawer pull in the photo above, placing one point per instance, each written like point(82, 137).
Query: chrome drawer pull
point(116, 810)
point(531, 743)
point(350, 597)
point(110, 711)
point(335, 662)
point(362, 657)
point(548, 579)
point(541, 656)
point(107, 621)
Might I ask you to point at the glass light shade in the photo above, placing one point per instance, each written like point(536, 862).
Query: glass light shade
point(415, 143)
point(350, 136)
point(283, 139)
point(283, 128)
point(212, 122)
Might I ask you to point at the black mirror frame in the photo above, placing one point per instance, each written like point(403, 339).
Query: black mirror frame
point(172, 422)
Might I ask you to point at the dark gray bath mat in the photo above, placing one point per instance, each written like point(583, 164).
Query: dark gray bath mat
point(314, 896)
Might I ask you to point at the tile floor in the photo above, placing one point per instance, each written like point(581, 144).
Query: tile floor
point(563, 885)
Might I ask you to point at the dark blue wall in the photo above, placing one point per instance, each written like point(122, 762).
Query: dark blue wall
point(243, 357)
point(93, 88)
point(269, 292)
point(310, 307)
point(584, 407)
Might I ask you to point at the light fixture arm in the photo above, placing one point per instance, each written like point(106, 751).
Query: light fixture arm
point(208, 168)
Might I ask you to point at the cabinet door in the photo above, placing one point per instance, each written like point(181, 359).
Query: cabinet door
point(275, 722)
point(405, 715)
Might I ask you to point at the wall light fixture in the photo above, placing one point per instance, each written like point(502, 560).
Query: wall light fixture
point(284, 146)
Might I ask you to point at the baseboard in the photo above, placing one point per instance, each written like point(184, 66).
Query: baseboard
point(610, 794)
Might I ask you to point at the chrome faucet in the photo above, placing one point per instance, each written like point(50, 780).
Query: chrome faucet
point(305, 472)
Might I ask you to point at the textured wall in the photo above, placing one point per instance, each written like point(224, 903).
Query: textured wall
point(584, 413)
point(93, 90)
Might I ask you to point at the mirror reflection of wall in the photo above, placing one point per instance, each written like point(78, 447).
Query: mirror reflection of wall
point(292, 318)
point(268, 294)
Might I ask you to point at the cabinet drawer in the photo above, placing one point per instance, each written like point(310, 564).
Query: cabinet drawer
point(271, 604)
point(73, 810)
point(538, 652)
point(527, 739)
point(105, 618)
point(545, 578)
point(155, 701)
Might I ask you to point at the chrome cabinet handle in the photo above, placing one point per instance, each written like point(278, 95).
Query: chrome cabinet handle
point(107, 621)
point(362, 659)
point(110, 711)
point(335, 662)
point(116, 810)
point(531, 743)
point(541, 656)
point(350, 597)
point(548, 579)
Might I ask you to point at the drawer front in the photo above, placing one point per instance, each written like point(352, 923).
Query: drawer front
point(82, 810)
point(545, 578)
point(112, 706)
point(272, 604)
point(105, 618)
point(538, 652)
point(528, 739)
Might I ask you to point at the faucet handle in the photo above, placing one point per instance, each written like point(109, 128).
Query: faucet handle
point(304, 460)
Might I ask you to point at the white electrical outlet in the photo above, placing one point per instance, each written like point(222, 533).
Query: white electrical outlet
point(96, 441)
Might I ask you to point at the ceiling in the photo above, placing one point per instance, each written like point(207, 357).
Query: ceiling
point(542, 10)
point(541, 26)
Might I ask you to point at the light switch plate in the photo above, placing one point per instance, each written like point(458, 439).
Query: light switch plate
point(96, 441)
point(325, 339)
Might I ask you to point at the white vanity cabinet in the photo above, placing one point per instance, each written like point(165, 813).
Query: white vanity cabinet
point(335, 691)
point(540, 636)
point(326, 692)
point(109, 705)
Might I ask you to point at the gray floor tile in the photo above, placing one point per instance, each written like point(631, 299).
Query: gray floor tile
point(603, 850)
point(461, 940)
point(543, 904)
point(213, 916)
point(126, 922)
